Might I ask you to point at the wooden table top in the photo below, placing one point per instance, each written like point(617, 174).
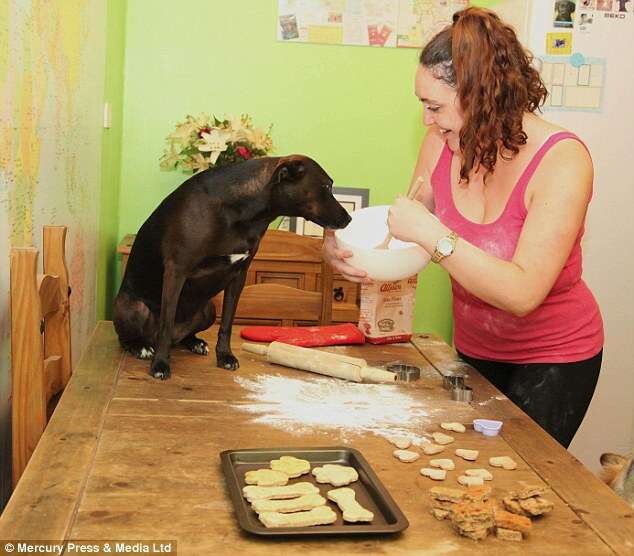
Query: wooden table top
point(128, 457)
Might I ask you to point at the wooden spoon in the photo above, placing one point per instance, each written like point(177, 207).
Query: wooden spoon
point(413, 190)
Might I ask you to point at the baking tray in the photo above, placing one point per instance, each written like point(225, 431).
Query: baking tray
point(371, 494)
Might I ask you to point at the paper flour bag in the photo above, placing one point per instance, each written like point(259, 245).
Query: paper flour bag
point(387, 310)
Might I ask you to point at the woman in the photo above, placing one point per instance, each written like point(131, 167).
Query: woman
point(509, 192)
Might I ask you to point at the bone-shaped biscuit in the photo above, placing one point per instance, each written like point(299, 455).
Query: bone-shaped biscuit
point(336, 475)
point(292, 466)
point(265, 477)
point(469, 455)
point(484, 473)
point(278, 493)
point(345, 498)
point(431, 449)
point(435, 474)
point(503, 461)
point(446, 464)
point(306, 502)
point(442, 438)
point(406, 456)
point(456, 427)
point(323, 515)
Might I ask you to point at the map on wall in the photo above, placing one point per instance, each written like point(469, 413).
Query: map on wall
point(384, 23)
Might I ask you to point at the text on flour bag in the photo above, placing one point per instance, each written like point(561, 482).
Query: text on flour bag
point(387, 310)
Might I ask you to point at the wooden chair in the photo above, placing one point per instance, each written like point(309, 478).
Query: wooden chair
point(300, 294)
point(40, 341)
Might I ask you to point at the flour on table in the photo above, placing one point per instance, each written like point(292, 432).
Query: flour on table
point(303, 405)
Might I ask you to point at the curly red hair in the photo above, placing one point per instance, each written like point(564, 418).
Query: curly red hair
point(483, 59)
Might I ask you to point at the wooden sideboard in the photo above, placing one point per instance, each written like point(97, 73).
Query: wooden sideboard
point(292, 260)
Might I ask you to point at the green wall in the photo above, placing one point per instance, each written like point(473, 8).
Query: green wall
point(111, 157)
point(353, 109)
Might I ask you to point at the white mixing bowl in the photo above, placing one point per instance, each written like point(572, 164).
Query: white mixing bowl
point(366, 230)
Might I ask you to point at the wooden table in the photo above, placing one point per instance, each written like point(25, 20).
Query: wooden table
point(129, 457)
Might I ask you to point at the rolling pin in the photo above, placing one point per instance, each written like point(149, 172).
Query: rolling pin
point(321, 362)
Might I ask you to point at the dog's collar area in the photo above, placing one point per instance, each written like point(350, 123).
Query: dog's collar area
point(235, 257)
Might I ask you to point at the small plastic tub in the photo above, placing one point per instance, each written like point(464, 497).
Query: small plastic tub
point(487, 427)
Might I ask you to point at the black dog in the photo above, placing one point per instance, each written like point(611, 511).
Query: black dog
point(199, 241)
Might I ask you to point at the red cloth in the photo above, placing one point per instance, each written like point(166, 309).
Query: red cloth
point(305, 336)
point(566, 327)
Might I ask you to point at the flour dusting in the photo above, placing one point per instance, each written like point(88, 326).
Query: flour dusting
point(303, 405)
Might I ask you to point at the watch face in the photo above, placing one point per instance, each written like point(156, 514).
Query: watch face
point(445, 246)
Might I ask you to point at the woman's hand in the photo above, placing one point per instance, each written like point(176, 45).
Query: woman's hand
point(407, 219)
point(336, 258)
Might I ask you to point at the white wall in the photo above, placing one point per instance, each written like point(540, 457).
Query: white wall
point(608, 244)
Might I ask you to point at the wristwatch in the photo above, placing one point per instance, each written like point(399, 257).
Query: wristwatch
point(444, 247)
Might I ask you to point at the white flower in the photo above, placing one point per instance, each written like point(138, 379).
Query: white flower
point(214, 143)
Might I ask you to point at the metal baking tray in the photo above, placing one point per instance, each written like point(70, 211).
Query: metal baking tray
point(371, 494)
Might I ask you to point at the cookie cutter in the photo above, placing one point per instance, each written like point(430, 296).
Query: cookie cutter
point(464, 394)
point(404, 371)
point(488, 427)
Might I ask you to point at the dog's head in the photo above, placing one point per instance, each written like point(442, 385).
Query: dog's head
point(618, 473)
point(301, 187)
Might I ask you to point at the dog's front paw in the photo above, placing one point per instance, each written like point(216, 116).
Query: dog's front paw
point(227, 361)
point(160, 370)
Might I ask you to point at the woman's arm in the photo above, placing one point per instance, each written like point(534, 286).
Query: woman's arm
point(556, 211)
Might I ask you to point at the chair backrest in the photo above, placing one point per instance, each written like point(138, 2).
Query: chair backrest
point(300, 293)
point(40, 341)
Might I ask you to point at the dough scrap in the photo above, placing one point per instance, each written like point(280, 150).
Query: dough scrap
point(431, 449)
point(306, 502)
point(323, 515)
point(435, 474)
point(470, 481)
point(440, 514)
point(442, 438)
point(401, 442)
point(406, 456)
point(508, 534)
point(469, 455)
point(446, 464)
point(484, 473)
point(455, 427)
point(265, 477)
point(336, 475)
point(252, 492)
point(345, 498)
point(503, 461)
point(292, 466)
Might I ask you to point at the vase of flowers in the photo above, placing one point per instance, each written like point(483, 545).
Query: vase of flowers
point(205, 142)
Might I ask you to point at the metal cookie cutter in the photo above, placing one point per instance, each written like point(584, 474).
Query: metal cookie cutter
point(404, 371)
point(464, 394)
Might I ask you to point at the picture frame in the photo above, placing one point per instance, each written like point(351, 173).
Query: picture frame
point(351, 198)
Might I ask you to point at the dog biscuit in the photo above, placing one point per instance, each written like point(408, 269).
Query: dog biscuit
point(470, 481)
point(345, 498)
point(265, 477)
point(455, 427)
point(306, 502)
point(336, 475)
point(401, 442)
point(508, 520)
point(508, 534)
point(435, 474)
point(484, 473)
point(442, 438)
point(432, 449)
point(469, 455)
point(323, 515)
point(252, 492)
point(446, 494)
point(440, 514)
point(406, 456)
point(446, 464)
point(290, 465)
point(528, 492)
point(503, 461)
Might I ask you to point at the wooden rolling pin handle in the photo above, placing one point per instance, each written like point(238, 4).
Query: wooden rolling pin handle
point(255, 348)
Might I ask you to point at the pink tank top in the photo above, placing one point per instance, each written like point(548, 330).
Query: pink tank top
point(566, 327)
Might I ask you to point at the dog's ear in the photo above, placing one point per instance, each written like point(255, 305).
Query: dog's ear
point(289, 170)
point(609, 459)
